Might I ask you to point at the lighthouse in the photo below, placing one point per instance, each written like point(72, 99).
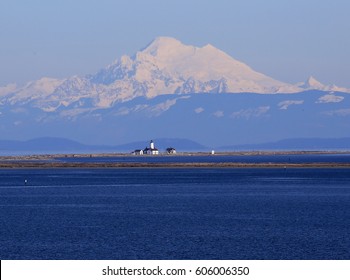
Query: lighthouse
point(152, 150)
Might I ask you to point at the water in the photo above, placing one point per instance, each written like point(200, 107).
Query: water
point(296, 158)
point(175, 213)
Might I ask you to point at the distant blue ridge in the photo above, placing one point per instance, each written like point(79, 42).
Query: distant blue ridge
point(56, 144)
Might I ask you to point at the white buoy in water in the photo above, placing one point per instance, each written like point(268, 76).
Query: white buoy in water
point(25, 182)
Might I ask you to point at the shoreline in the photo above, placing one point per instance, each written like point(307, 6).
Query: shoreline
point(46, 161)
point(188, 154)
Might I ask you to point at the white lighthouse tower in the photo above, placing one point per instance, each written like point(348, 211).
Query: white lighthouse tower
point(151, 145)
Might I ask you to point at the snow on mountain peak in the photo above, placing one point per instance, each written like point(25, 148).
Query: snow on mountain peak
point(162, 46)
point(313, 83)
point(202, 65)
point(165, 52)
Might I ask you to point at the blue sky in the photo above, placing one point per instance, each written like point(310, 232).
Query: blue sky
point(288, 40)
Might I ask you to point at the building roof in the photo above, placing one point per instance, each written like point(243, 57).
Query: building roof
point(149, 149)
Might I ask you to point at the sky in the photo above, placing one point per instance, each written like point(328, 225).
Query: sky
point(288, 40)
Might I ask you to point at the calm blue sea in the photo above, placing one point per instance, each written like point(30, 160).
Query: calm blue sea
point(297, 158)
point(164, 213)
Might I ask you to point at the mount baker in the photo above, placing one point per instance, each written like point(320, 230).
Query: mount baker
point(165, 66)
point(171, 90)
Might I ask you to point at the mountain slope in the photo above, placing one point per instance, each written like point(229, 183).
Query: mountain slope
point(211, 119)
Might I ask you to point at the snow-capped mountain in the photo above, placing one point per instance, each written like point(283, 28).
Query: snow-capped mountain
point(36, 90)
point(165, 66)
point(311, 83)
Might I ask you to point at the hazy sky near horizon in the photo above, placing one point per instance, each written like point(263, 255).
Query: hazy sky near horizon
point(288, 40)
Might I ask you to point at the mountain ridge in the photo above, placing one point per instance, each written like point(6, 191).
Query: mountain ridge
point(296, 144)
point(211, 119)
point(59, 145)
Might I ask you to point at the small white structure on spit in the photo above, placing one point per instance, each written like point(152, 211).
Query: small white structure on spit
point(171, 151)
point(138, 152)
